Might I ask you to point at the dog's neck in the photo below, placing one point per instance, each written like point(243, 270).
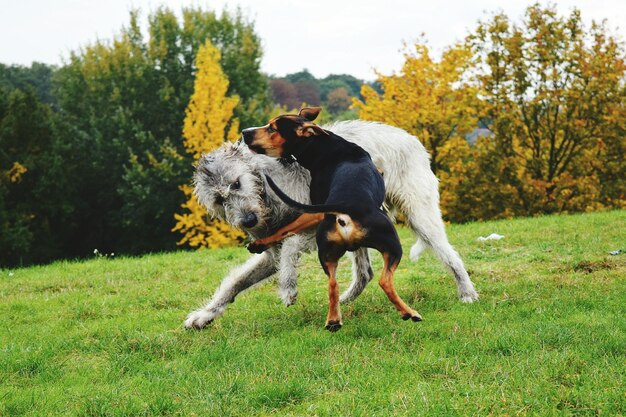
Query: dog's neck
point(304, 153)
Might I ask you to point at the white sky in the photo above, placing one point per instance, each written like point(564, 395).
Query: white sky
point(326, 36)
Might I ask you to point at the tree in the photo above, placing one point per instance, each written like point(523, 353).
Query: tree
point(308, 92)
point(127, 97)
point(338, 100)
point(303, 75)
point(334, 81)
point(608, 158)
point(294, 94)
point(284, 93)
point(294, 90)
point(551, 91)
point(427, 98)
point(37, 191)
point(208, 122)
point(38, 76)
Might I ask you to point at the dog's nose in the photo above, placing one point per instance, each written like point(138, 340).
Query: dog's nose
point(249, 220)
point(248, 135)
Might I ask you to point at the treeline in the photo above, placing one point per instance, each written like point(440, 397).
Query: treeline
point(92, 154)
point(334, 92)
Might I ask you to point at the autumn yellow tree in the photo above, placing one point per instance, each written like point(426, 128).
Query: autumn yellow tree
point(549, 94)
point(208, 123)
point(553, 97)
point(427, 98)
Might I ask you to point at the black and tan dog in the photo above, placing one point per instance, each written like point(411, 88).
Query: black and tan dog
point(347, 193)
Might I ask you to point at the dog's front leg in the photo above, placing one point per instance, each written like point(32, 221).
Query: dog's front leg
point(302, 223)
point(256, 269)
point(290, 253)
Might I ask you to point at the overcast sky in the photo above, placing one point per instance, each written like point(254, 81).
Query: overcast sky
point(325, 36)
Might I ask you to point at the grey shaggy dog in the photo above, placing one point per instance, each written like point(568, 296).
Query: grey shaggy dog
point(230, 183)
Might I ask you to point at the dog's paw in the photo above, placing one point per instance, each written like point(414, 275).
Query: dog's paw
point(414, 316)
point(199, 319)
point(255, 247)
point(468, 296)
point(333, 325)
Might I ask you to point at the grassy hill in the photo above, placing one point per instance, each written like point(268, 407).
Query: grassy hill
point(105, 337)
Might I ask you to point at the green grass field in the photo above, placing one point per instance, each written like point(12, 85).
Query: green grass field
point(105, 337)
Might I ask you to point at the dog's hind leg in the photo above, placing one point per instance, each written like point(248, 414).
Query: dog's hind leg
point(333, 320)
point(382, 235)
point(362, 274)
point(386, 283)
point(256, 269)
point(430, 227)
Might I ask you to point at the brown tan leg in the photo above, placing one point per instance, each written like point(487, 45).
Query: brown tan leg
point(333, 321)
point(386, 283)
point(305, 221)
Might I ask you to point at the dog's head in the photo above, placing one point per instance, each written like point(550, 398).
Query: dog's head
point(229, 182)
point(285, 134)
point(228, 185)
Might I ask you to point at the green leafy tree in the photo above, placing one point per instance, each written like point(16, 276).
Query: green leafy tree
point(303, 75)
point(128, 96)
point(37, 192)
point(334, 81)
point(38, 76)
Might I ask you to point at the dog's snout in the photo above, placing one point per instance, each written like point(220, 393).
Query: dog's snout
point(248, 135)
point(250, 220)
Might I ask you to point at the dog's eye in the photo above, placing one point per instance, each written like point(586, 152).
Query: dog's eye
point(270, 129)
point(235, 185)
point(219, 199)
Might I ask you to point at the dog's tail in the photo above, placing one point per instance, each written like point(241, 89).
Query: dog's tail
point(307, 208)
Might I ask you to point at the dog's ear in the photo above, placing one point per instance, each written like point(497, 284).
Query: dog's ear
point(310, 113)
point(310, 129)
